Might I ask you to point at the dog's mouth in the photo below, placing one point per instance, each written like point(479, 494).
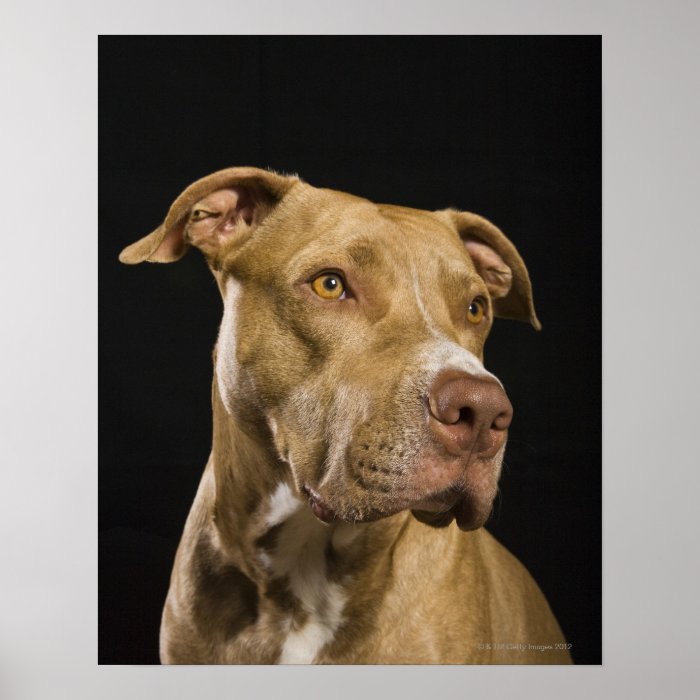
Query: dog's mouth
point(437, 510)
point(319, 507)
point(466, 512)
point(470, 511)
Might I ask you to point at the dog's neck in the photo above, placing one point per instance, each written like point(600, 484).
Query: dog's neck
point(263, 524)
point(306, 572)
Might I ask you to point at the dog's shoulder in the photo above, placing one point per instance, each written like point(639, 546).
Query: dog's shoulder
point(524, 628)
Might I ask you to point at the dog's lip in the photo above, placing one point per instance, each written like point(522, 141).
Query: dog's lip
point(438, 502)
point(433, 518)
point(462, 512)
point(438, 509)
point(318, 506)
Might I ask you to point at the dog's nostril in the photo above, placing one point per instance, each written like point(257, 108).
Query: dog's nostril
point(466, 415)
point(502, 420)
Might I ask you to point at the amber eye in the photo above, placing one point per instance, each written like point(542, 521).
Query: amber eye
point(329, 285)
point(476, 311)
point(199, 214)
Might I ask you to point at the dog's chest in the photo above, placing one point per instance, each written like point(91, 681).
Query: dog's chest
point(308, 597)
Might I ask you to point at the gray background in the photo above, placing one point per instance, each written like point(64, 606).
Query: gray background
point(48, 429)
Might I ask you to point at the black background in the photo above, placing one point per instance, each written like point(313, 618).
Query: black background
point(508, 127)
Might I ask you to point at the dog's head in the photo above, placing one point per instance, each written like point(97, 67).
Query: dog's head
point(354, 332)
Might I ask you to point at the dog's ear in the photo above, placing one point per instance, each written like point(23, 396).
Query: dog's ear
point(498, 263)
point(210, 212)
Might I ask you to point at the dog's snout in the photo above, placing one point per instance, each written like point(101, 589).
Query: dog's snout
point(468, 414)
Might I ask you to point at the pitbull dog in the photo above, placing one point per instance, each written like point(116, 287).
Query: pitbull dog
point(357, 436)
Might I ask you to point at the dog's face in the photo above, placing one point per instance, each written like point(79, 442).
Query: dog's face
point(354, 333)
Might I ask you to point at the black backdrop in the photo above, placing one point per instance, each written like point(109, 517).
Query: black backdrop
point(508, 127)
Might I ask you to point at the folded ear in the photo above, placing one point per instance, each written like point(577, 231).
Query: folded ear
point(211, 212)
point(498, 263)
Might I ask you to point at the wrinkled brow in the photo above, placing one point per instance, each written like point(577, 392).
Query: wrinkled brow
point(458, 279)
point(363, 254)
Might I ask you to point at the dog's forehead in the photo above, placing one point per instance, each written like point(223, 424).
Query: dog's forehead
point(390, 224)
point(369, 233)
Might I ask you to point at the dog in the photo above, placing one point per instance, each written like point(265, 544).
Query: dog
point(357, 436)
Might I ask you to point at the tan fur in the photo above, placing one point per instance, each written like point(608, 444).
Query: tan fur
point(325, 400)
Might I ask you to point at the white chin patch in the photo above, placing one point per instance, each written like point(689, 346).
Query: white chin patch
point(226, 363)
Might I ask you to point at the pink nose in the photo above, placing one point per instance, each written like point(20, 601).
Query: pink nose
point(468, 415)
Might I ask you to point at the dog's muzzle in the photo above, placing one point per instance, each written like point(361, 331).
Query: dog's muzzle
point(468, 417)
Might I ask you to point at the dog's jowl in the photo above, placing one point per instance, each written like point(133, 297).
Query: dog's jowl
point(358, 438)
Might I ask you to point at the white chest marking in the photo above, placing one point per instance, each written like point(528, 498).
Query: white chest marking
point(281, 505)
point(299, 554)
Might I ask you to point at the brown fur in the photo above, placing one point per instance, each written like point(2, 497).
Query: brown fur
point(325, 399)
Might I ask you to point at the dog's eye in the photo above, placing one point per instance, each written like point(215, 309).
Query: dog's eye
point(329, 285)
point(476, 311)
point(199, 214)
